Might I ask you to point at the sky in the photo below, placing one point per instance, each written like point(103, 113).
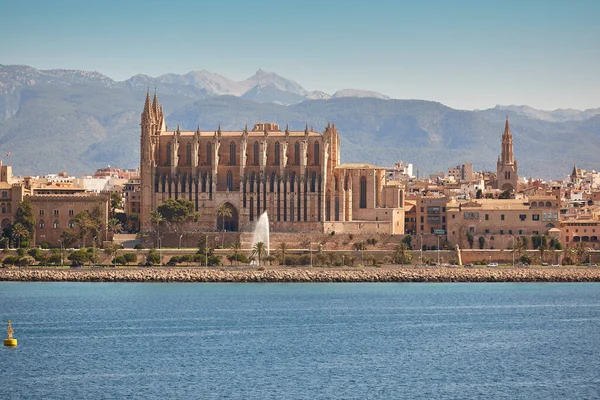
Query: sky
point(464, 54)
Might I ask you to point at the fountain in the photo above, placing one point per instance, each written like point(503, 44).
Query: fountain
point(261, 232)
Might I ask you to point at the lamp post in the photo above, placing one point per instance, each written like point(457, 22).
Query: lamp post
point(61, 252)
point(421, 249)
point(438, 249)
point(310, 249)
point(206, 251)
point(513, 250)
point(180, 236)
point(94, 252)
point(159, 252)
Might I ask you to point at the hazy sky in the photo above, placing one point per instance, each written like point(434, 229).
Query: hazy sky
point(465, 54)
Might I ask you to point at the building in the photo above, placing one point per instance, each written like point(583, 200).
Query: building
point(507, 170)
point(295, 176)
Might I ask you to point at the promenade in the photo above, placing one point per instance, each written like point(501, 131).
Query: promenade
point(303, 274)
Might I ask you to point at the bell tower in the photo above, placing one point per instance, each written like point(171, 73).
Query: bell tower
point(149, 125)
point(507, 172)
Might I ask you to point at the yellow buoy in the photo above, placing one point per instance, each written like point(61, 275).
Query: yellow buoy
point(10, 341)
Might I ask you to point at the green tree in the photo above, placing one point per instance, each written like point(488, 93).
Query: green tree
point(236, 247)
point(157, 219)
point(116, 203)
point(20, 233)
point(89, 223)
point(402, 254)
point(479, 195)
point(470, 239)
point(178, 213)
point(408, 240)
point(25, 217)
point(133, 222)
point(114, 226)
point(79, 257)
point(259, 251)
point(282, 250)
point(68, 238)
point(505, 195)
point(152, 258)
point(481, 242)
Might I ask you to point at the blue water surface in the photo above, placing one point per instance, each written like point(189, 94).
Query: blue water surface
point(301, 341)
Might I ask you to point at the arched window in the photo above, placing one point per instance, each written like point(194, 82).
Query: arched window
point(316, 155)
point(183, 181)
point(337, 209)
point(255, 153)
point(232, 153)
point(292, 181)
point(42, 224)
point(273, 179)
point(252, 179)
point(168, 154)
point(204, 177)
point(55, 225)
point(230, 180)
point(363, 192)
point(548, 204)
point(297, 153)
point(208, 154)
point(313, 182)
point(251, 208)
point(3, 208)
point(188, 154)
point(71, 224)
point(164, 182)
point(277, 151)
point(335, 183)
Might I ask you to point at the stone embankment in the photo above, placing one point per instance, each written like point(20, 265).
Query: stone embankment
point(396, 274)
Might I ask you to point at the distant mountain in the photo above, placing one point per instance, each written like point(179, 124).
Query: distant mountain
point(77, 121)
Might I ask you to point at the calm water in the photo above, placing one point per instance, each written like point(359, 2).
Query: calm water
point(301, 341)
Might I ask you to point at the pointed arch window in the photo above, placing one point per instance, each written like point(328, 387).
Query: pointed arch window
point(363, 192)
point(230, 180)
point(232, 153)
point(296, 153)
point(188, 154)
point(272, 183)
point(42, 224)
point(316, 156)
point(337, 209)
point(277, 155)
point(208, 154)
point(183, 181)
point(255, 161)
point(313, 182)
point(292, 182)
point(72, 224)
point(168, 154)
point(55, 225)
point(252, 179)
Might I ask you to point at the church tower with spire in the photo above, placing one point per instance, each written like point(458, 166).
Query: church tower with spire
point(507, 171)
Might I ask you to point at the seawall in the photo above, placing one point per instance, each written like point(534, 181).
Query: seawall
point(404, 274)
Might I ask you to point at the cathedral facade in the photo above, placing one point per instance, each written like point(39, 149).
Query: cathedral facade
point(295, 176)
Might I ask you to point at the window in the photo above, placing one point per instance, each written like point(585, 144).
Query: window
point(487, 217)
point(277, 155)
point(535, 217)
point(4, 193)
point(422, 220)
point(255, 161)
point(208, 154)
point(232, 153)
point(55, 212)
point(71, 212)
point(316, 156)
point(487, 231)
point(55, 225)
point(522, 217)
point(71, 224)
point(229, 181)
point(502, 231)
point(188, 154)
point(41, 212)
point(453, 216)
point(433, 210)
point(297, 153)
point(168, 154)
point(42, 224)
point(502, 217)
point(363, 192)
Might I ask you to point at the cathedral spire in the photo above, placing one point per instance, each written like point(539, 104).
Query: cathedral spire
point(155, 105)
point(506, 129)
point(147, 105)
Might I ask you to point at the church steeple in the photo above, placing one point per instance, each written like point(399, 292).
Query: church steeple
point(507, 145)
point(507, 170)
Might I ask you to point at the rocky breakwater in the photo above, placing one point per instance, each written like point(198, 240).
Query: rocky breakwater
point(392, 274)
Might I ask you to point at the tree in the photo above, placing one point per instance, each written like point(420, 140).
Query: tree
point(481, 242)
point(282, 249)
point(223, 211)
point(156, 219)
point(68, 238)
point(479, 195)
point(152, 258)
point(259, 251)
point(408, 240)
point(116, 203)
point(236, 247)
point(20, 233)
point(178, 213)
point(470, 239)
point(114, 226)
point(133, 222)
point(89, 223)
point(505, 195)
point(25, 217)
point(402, 254)
point(112, 250)
point(79, 257)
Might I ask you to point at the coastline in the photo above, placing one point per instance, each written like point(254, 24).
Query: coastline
point(302, 275)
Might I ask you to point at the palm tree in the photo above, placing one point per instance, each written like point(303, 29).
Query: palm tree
point(236, 247)
point(19, 232)
point(402, 256)
point(283, 248)
point(114, 226)
point(259, 251)
point(156, 218)
point(223, 211)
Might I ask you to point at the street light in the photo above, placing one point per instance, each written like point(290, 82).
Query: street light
point(159, 252)
point(310, 249)
point(513, 249)
point(94, 252)
point(180, 236)
point(61, 252)
point(421, 249)
point(206, 251)
point(438, 249)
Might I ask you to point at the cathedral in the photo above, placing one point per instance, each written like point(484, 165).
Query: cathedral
point(294, 175)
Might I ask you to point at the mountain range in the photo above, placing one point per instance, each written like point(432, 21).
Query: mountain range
point(78, 121)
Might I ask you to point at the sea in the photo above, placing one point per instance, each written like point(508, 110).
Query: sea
point(301, 341)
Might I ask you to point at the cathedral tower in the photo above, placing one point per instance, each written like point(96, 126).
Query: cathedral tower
point(507, 175)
